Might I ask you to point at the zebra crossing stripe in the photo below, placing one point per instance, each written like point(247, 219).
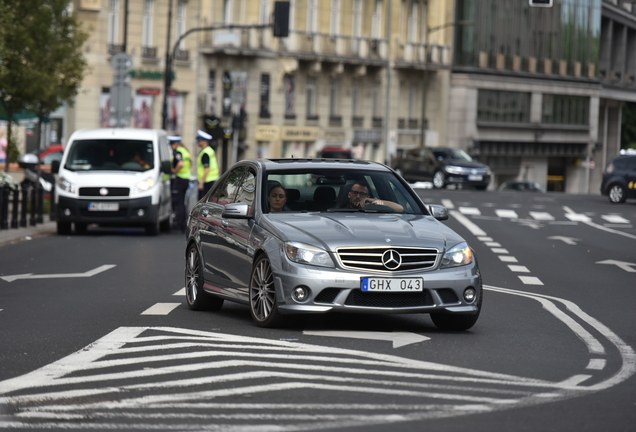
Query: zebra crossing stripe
point(508, 214)
point(615, 219)
point(472, 211)
point(541, 216)
point(161, 309)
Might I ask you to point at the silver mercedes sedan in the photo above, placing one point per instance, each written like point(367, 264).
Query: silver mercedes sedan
point(298, 236)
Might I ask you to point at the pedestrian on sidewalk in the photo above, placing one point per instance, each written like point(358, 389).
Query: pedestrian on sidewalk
point(207, 166)
point(181, 162)
point(3, 151)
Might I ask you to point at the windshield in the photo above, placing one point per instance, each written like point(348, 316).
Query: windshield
point(456, 154)
point(110, 155)
point(330, 190)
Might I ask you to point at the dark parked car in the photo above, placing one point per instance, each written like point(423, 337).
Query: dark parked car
point(335, 153)
point(325, 250)
point(442, 166)
point(619, 178)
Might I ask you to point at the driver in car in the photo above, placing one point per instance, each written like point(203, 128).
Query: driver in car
point(359, 198)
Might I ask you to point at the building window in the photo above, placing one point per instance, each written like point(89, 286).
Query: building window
point(412, 23)
point(113, 23)
point(181, 22)
point(412, 100)
point(357, 18)
point(376, 24)
point(227, 12)
point(264, 12)
point(146, 35)
point(311, 97)
point(503, 106)
point(375, 100)
point(565, 110)
point(312, 16)
point(355, 102)
point(335, 17)
point(333, 98)
point(289, 83)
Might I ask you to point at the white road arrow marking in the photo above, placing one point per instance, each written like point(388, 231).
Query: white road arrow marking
point(621, 264)
point(399, 339)
point(59, 275)
point(566, 240)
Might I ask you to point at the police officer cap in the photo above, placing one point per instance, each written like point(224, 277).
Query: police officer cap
point(174, 139)
point(203, 135)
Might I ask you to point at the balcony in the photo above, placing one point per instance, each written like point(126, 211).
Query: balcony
point(357, 121)
point(377, 122)
point(149, 52)
point(422, 56)
point(114, 49)
point(335, 121)
point(182, 55)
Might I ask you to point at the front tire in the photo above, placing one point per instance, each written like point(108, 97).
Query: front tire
point(439, 180)
point(153, 228)
point(196, 297)
point(263, 295)
point(617, 194)
point(63, 228)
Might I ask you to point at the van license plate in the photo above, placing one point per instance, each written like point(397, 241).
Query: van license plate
point(392, 284)
point(475, 177)
point(103, 206)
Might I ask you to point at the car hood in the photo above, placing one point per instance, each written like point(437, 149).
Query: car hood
point(334, 230)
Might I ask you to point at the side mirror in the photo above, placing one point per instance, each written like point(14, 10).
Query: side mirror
point(439, 212)
point(166, 168)
point(55, 166)
point(236, 211)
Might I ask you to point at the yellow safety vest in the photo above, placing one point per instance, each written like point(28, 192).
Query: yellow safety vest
point(213, 174)
point(185, 172)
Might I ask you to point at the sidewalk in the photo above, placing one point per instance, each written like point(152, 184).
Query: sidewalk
point(13, 235)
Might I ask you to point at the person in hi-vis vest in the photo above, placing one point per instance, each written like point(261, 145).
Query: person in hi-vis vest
point(207, 166)
point(181, 163)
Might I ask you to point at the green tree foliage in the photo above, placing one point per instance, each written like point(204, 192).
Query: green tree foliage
point(628, 127)
point(41, 61)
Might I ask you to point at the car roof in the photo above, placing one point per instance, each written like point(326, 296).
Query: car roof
point(311, 163)
point(118, 133)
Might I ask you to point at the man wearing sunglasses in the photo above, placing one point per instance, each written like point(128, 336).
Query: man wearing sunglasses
point(359, 197)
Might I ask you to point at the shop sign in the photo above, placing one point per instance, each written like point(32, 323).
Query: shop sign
point(298, 133)
point(266, 133)
point(367, 135)
point(146, 74)
point(335, 135)
point(149, 91)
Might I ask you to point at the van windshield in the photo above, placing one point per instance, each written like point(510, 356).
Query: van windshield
point(110, 155)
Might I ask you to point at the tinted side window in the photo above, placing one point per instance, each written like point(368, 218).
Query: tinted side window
point(620, 164)
point(225, 193)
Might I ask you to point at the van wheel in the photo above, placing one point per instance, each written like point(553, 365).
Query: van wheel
point(80, 228)
point(617, 194)
point(63, 228)
point(152, 228)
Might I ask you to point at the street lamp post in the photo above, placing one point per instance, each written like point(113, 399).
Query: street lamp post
point(168, 72)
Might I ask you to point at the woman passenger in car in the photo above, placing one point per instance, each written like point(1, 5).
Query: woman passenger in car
point(277, 197)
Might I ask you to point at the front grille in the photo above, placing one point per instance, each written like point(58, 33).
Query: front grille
point(112, 192)
point(370, 258)
point(103, 214)
point(389, 300)
point(328, 295)
point(447, 295)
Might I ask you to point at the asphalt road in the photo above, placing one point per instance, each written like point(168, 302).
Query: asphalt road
point(95, 334)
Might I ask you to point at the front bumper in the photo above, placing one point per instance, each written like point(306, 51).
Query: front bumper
point(131, 211)
point(338, 290)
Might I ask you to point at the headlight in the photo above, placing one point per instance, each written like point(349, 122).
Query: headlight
point(302, 253)
point(66, 185)
point(145, 185)
point(458, 255)
point(454, 169)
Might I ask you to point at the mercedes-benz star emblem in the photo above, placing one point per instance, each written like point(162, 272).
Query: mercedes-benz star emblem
point(103, 191)
point(391, 259)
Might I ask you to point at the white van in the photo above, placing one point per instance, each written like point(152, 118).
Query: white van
point(114, 177)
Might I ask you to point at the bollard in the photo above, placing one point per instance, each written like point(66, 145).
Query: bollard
point(33, 221)
point(53, 206)
point(39, 193)
point(16, 208)
point(25, 202)
point(4, 207)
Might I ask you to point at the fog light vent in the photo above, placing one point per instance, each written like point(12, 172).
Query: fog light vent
point(300, 294)
point(140, 212)
point(469, 295)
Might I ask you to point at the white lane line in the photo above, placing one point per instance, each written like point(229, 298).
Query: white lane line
point(615, 219)
point(578, 217)
point(519, 268)
point(469, 225)
point(596, 364)
point(448, 204)
point(541, 216)
point(575, 380)
point(181, 292)
point(500, 250)
point(508, 258)
point(484, 239)
point(601, 227)
point(161, 309)
point(492, 244)
point(530, 280)
point(509, 214)
point(470, 211)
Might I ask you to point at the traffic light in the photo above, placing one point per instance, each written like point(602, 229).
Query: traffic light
point(281, 19)
point(540, 3)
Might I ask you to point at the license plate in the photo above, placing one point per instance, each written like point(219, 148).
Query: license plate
point(475, 178)
point(103, 206)
point(392, 284)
